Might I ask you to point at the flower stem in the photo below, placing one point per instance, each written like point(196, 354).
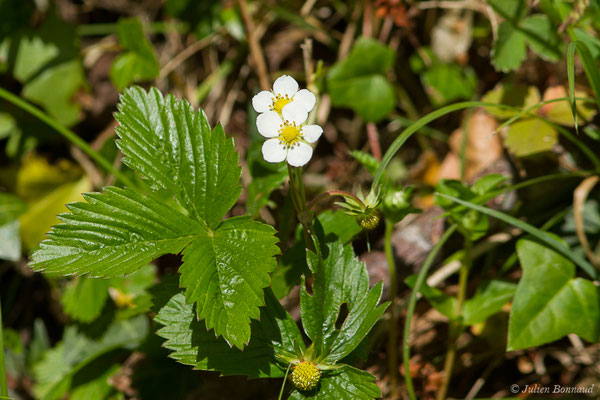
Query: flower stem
point(67, 133)
point(3, 384)
point(456, 326)
point(393, 333)
point(411, 308)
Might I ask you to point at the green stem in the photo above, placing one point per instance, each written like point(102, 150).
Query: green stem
point(393, 338)
point(284, 380)
point(411, 309)
point(67, 133)
point(3, 384)
point(456, 326)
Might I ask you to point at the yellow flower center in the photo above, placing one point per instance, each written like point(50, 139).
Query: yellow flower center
point(306, 375)
point(279, 102)
point(289, 134)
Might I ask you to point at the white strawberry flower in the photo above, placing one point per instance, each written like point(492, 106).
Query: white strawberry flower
point(287, 139)
point(286, 100)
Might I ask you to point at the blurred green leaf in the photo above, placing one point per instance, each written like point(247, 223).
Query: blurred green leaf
point(509, 48)
point(54, 89)
point(56, 373)
point(514, 95)
point(84, 298)
point(359, 81)
point(439, 300)
point(10, 207)
point(541, 37)
point(489, 298)
point(445, 83)
point(530, 136)
point(138, 63)
point(41, 214)
point(547, 299)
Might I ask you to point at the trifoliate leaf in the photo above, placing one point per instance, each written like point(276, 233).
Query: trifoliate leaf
point(550, 302)
point(113, 233)
point(273, 337)
point(339, 278)
point(346, 383)
point(171, 145)
point(138, 63)
point(116, 232)
point(225, 273)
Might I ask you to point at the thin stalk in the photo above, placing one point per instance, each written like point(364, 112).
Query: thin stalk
point(411, 308)
point(284, 380)
point(3, 384)
point(456, 326)
point(67, 133)
point(393, 338)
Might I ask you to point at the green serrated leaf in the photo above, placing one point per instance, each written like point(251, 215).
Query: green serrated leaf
point(548, 297)
point(112, 234)
point(84, 298)
point(336, 225)
point(139, 62)
point(226, 271)
point(347, 383)
point(273, 337)
point(340, 278)
point(171, 145)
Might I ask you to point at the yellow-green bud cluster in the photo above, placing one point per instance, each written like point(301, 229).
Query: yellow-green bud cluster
point(369, 220)
point(305, 375)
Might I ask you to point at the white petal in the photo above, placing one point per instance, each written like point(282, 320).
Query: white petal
point(285, 84)
point(294, 113)
point(306, 99)
point(268, 124)
point(299, 155)
point(311, 133)
point(273, 151)
point(263, 101)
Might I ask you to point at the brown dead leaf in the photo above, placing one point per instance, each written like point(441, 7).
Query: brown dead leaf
point(483, 148)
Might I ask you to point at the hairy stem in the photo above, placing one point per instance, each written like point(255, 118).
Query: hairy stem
point(67, 133)
point(456, 326)
point(393, 338)
point(3, 384)
point(411, 309)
